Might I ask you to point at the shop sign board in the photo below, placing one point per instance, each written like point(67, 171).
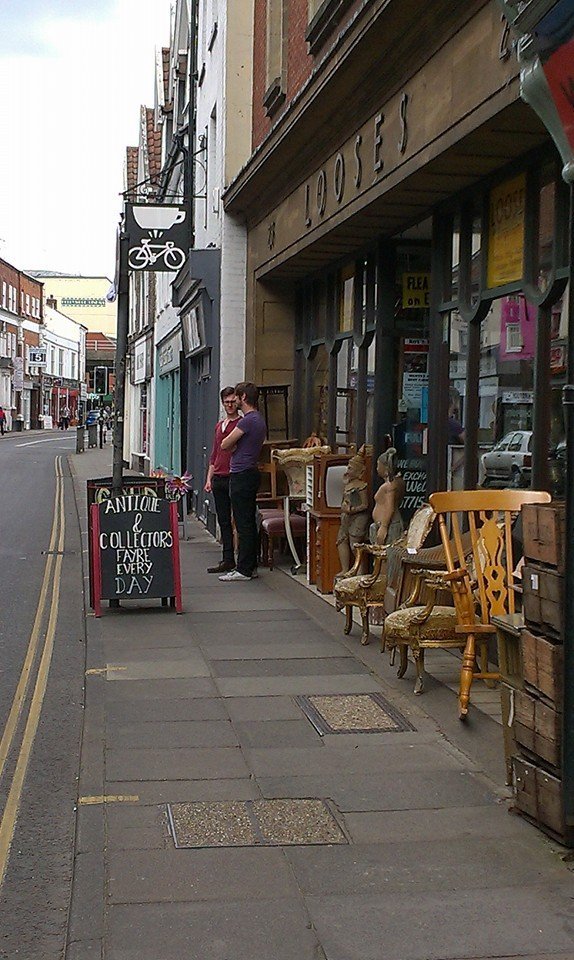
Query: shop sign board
point(158, 236)
point(139, 368)
point(517, 396)
point(37, 356)
point(414, 473)
point(416, 290)
point(134, 550)
point(506, 232)
point(18, 375)
point(413, 384)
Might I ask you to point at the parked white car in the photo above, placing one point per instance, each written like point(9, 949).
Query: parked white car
point(510, 461)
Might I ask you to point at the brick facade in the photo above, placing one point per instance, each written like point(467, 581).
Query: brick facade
point(298, 61)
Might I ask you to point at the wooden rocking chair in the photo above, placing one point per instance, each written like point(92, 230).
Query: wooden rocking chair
point(479, 578)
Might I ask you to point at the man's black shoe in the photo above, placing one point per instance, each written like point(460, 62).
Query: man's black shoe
point(222, 567)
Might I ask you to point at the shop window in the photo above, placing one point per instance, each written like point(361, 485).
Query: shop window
point(320, 370)
point(345, 412)
point(346, 298)
point(506, 393)
point(546, 227)
point(458, 361)
point(370, 419)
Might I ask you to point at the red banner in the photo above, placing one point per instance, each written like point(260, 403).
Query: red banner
point(559, 72)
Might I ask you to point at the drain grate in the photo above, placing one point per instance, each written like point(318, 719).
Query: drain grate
point(254, 823)
point(353, 713)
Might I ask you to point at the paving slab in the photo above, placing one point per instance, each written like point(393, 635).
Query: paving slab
point(137, 827)
point(190, 666)
point(279, 648)
point(493, 820)
point(219, 930)
point(134, 653)
point(424, 866)
point(85, 950)
point(276, 733)
point(261, 708)
point(190, 875)
point(87, 914)
point(172, 735)
point(517, 922)
point(180, 791)
point(250, 615)
point(180, 764)
point(130, 690)
point(169, 711)
point(237, 598)
point(285, 667)
point(90, 834)
point(274, 686)
point(354, 760)
point(419, 791)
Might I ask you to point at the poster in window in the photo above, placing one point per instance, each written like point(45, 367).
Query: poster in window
point(506, 232)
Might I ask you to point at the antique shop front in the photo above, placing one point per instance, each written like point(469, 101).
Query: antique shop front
point(407, 262)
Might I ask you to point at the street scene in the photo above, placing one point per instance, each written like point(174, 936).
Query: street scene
point(287, 515)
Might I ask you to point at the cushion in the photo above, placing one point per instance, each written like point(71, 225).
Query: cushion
point(439, 626)
point(348, 587)
point(275, 526)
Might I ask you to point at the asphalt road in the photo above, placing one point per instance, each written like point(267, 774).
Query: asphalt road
point(37, 816)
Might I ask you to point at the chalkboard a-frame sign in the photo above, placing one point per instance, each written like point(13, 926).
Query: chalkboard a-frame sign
point(135, 550)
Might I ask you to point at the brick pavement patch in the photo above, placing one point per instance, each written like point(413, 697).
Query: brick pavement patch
point(251, 823)
point(353, 713)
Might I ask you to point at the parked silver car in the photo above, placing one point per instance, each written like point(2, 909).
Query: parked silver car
point(510, 461)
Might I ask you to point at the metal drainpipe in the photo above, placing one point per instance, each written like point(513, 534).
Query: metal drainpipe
point(191, 116)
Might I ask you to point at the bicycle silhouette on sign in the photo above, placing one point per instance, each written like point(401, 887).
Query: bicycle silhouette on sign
point(156, 219)
point(149, 253)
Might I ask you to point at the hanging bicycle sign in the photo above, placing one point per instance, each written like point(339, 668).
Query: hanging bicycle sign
point(158, 236)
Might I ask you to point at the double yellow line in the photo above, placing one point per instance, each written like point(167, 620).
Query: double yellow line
point(51, 582)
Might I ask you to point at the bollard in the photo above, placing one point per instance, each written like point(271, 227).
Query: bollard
point(80, 438)
point(92, 435)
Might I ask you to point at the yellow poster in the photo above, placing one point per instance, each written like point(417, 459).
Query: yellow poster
point(506, 232)
point(416, 289)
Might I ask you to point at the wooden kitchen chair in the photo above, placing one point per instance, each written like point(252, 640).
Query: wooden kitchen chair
point(480, 579)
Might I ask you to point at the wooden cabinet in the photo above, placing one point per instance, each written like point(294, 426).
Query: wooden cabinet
point(323, 560)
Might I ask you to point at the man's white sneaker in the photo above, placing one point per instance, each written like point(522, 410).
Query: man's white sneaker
point(234, 575)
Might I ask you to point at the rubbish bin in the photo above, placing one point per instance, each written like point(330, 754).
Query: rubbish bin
point(19, 424)
point(92, 435)
point(80, 439)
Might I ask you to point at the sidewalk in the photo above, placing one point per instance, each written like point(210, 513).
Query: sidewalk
point(390, 845)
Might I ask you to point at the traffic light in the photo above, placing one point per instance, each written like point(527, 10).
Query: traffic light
point(101, 380)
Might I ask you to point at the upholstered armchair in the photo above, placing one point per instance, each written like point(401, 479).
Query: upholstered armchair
point(367, 591)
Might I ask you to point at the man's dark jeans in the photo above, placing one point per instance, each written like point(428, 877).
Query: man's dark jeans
point(220, 490)
point(243, 489)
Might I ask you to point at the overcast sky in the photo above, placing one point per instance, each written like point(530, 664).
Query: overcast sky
point(73, 74)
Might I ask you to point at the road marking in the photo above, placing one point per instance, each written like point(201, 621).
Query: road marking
point(100, 671)
point(10, 815)
point(22, 688)
point(30, 443)
point(111, 798)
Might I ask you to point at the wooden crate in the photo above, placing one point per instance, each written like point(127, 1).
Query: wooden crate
point(543, 598)
point(544, 533)
point(543, 666)
point(538, 727)
point(538, 795)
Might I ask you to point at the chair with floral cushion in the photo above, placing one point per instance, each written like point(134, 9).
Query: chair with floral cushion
point(478, 571)
point(367, 591)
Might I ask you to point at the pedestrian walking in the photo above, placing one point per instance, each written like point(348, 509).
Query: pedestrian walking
point(245, 442)
point(217, 481)
point(65, 418)
point(2, 421)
